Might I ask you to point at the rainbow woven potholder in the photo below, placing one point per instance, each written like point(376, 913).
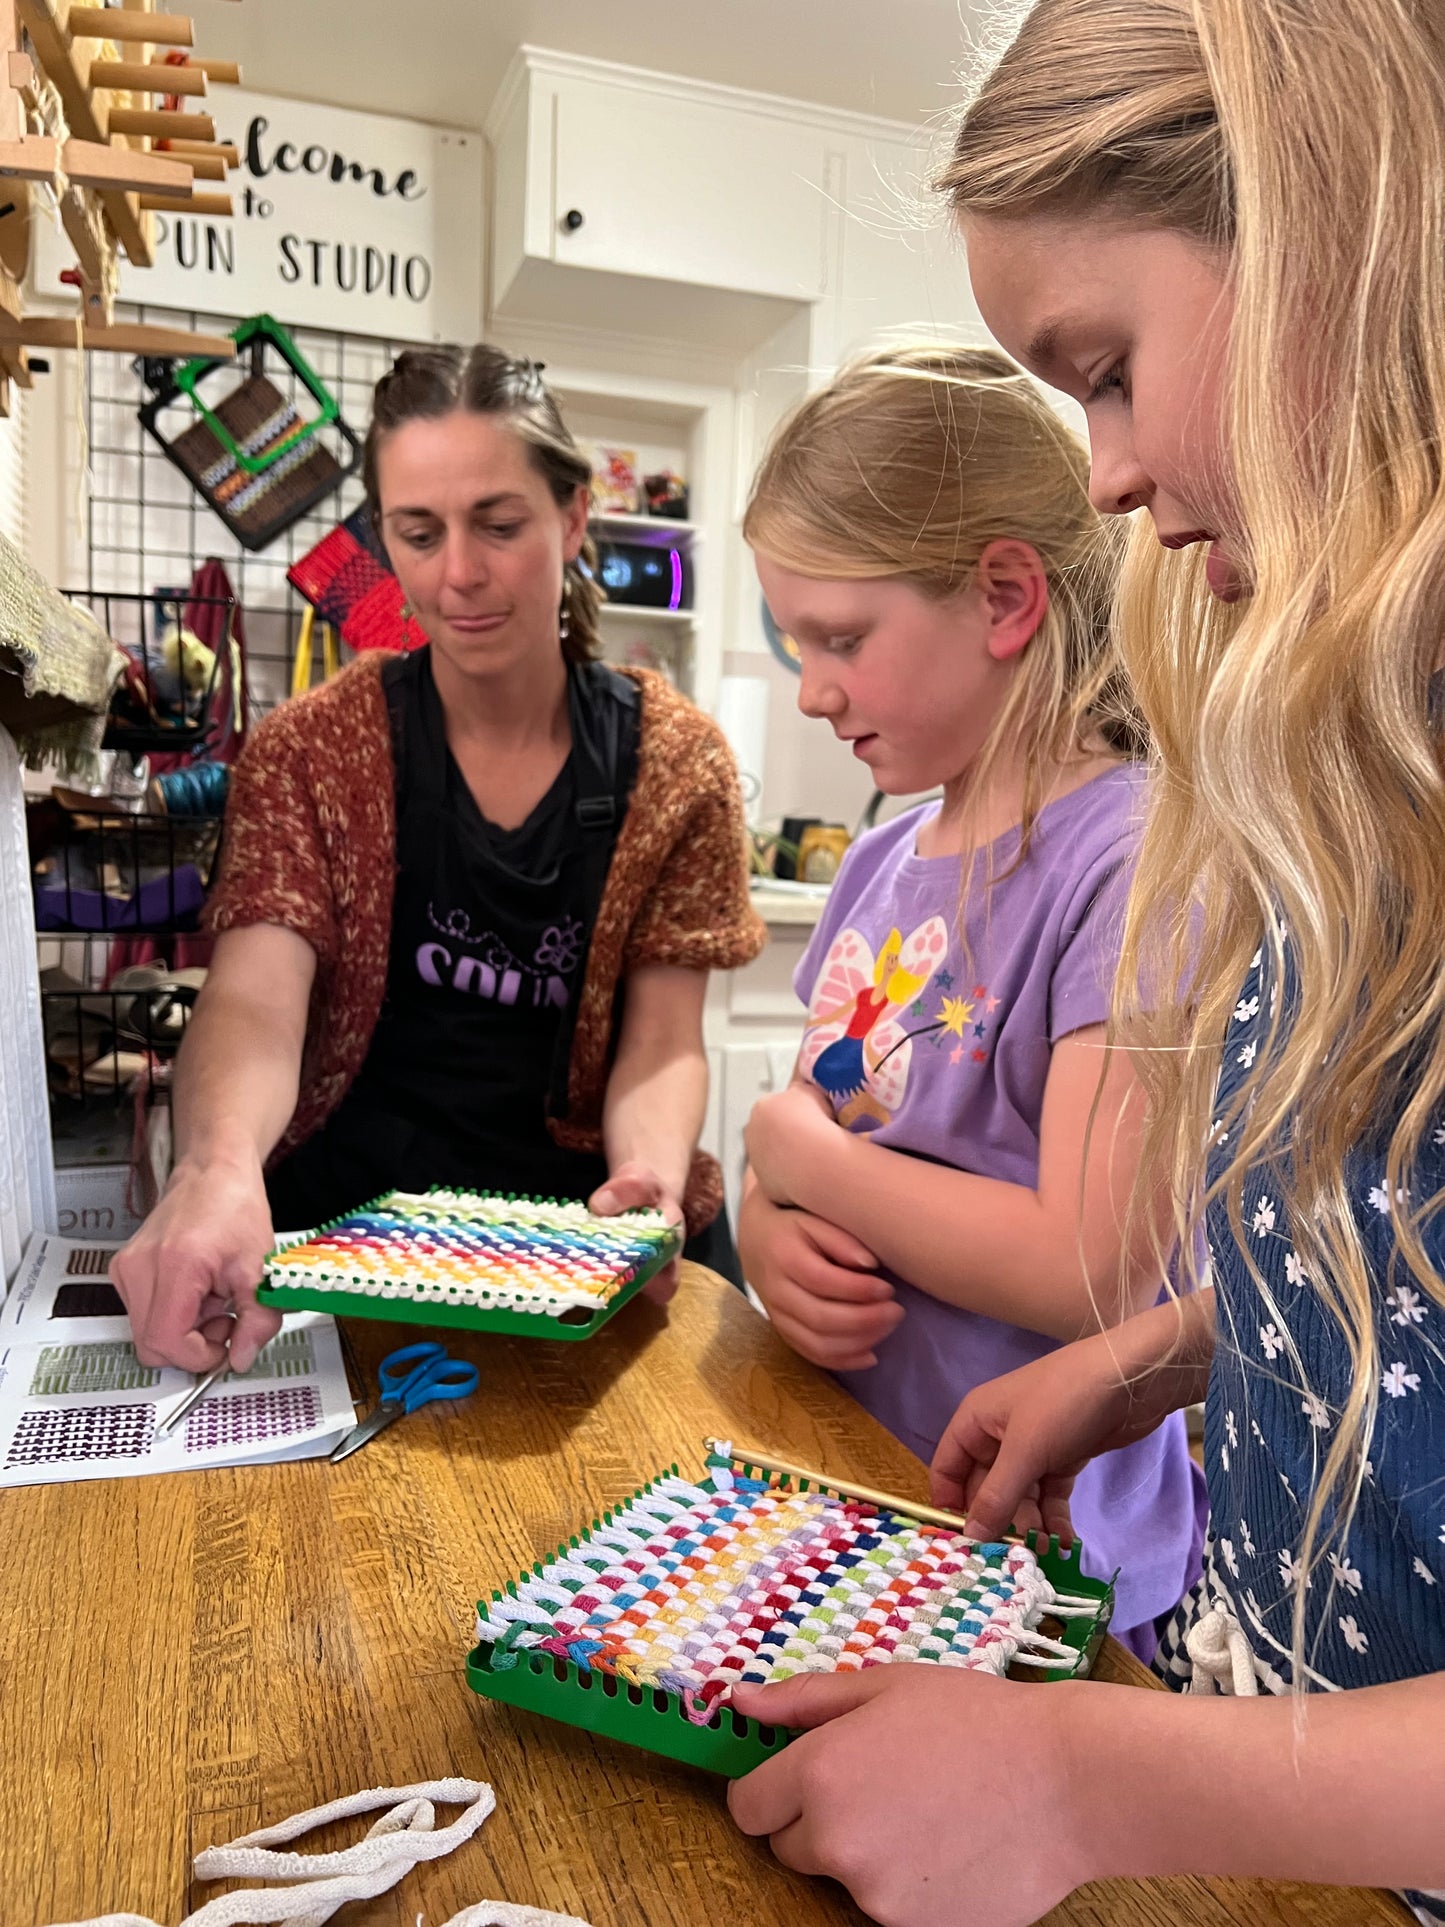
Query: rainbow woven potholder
point(486, 1261)
point(641, 1628)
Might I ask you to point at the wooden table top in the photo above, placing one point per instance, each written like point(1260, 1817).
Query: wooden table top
point(184, 1658)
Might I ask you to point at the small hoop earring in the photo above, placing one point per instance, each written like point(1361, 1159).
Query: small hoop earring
point(407, 612)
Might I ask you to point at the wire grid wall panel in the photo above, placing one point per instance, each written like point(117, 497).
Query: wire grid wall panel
point(148, 528)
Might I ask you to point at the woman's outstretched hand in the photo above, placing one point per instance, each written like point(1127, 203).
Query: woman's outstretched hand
point(188, 1277)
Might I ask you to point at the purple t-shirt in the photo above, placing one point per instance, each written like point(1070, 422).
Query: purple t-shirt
point(940, 1047)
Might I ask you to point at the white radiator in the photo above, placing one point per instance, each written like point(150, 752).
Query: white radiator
point(27, 1170)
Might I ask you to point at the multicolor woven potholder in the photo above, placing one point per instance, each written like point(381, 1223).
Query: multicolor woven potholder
point(541, 1267)
point(348, 580)
point(642, 1627)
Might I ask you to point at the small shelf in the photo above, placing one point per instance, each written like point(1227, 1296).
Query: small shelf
point(638, 612)
point(657, 528)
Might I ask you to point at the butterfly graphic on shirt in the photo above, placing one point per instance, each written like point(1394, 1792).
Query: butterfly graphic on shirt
point(854, 1047)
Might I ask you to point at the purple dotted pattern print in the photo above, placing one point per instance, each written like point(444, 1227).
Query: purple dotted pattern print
point(253, 1417)
point(82, 1432)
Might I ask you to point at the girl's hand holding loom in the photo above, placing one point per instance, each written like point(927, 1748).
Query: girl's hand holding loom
point(915, 1789)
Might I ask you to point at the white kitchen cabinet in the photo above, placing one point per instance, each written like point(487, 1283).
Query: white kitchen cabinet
point(658, 178)
point(686, 190)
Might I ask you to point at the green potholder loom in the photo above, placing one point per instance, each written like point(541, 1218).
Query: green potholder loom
point(251, 453)
point(641, 1626)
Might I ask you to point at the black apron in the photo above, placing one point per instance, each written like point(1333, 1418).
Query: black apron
point(490, 933)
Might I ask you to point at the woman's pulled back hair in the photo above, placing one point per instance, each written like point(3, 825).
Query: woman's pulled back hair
point(425, 384)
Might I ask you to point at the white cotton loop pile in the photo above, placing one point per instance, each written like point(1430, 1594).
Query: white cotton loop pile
point(405, 1835)
point(503, 1913)
point(1221, 1656)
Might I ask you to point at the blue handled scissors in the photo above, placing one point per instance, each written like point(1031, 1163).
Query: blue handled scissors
point(412, 1377)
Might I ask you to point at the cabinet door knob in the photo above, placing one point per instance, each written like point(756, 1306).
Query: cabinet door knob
point(573, 219)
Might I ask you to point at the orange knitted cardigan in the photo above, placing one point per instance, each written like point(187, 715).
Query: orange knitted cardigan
point(310, 844)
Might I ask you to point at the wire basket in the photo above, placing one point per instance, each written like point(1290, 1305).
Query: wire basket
point(170, 695)
point(109, 872)
point(100, 1045)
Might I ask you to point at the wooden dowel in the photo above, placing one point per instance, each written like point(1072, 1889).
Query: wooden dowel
point(110, 23)
point(17, 367)
point(125, 338)
point(32, 158)
point(206, 167)
point(183, 204)
point(228, 152)
point(926, 1514)
point(225, 73)
point(125, 168)
point(146, 77)
point(159, 123)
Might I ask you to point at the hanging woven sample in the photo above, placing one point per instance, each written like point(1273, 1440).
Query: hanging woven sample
point(542, 1267)
point(348, 580)
point(641, 1626)
point(264, 454)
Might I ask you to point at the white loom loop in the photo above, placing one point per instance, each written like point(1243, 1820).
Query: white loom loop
point(407, 1829)
point(404, 1835)
point(1223, 1662)
point(505, 1913)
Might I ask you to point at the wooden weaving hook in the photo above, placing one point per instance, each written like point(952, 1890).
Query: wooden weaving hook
point(925, 1514)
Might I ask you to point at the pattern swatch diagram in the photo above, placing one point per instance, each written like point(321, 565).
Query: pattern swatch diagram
point(250, 1418)
point(88, 1298)
point(91, 1261)
point(99, 1367)
point(73, 1432)
point(289, 1355)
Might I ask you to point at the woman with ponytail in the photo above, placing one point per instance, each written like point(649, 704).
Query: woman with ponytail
point(1219, 225)
point(468, 898)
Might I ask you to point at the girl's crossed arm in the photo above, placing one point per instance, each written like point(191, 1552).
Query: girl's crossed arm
point(1050, 1258)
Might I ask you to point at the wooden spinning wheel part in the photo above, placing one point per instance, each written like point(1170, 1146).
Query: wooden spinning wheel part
point(15, 228)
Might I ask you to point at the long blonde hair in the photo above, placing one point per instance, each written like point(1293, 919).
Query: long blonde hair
point(1300, 792)
point(908, 464)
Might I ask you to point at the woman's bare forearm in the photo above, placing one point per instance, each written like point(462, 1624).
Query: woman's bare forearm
point(239, 1069)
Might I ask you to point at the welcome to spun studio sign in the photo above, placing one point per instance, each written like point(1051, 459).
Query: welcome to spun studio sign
point(354, 222)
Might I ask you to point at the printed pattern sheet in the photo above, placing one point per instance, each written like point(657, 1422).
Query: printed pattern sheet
point(76, 1402)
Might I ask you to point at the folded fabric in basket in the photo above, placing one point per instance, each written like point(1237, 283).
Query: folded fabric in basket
point(349, 582)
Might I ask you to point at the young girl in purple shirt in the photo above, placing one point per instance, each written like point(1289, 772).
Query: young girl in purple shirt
point(940, 1195)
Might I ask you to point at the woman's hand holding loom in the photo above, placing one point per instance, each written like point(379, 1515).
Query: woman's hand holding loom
point(635, 1186)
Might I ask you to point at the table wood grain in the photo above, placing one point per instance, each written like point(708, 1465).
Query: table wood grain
point(184, 1658)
